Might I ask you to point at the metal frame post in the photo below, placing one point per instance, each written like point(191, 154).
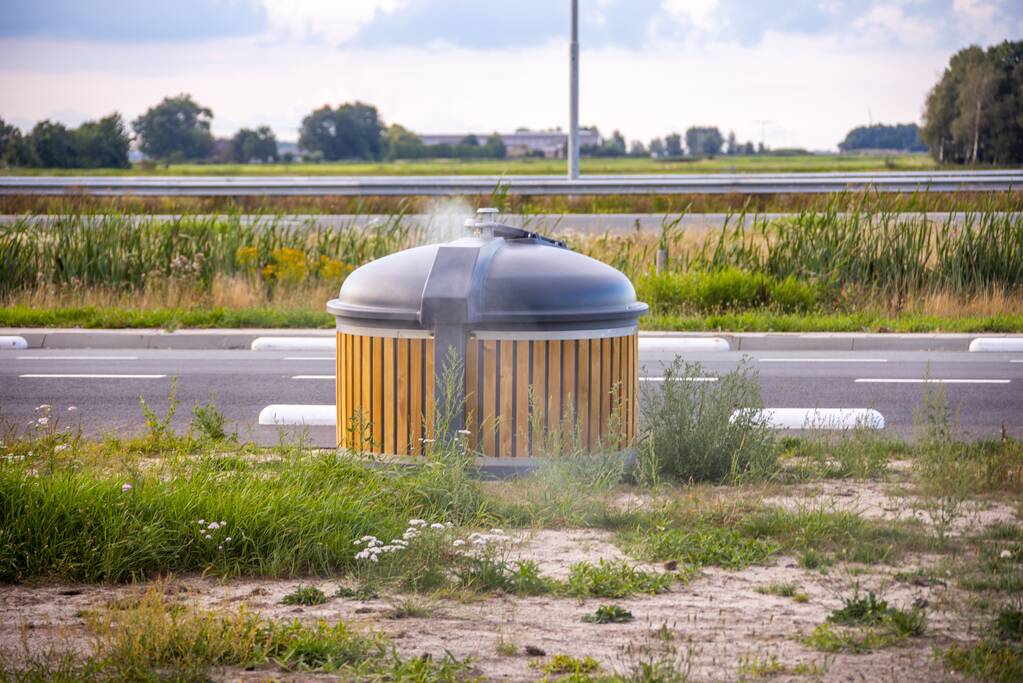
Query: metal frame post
point(573, 104)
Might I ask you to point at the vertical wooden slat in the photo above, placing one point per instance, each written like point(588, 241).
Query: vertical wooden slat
point(619, 407)
point(635, 386)
point(554, 388)
point(472, 394)
point(569, 415)
point(594, 400)
point(626, 387)
point(389, 368)
point(521, 399)
point(605, 387)
point(489, 397)
point(583, 390)
point(415, 397)
point(402, 407)
point(378, 393)
point(506, 417)
point(367, 392)
point(538, 412)
point(339, 382)
point(349, 389)
point(356, 351)
point(431, 388)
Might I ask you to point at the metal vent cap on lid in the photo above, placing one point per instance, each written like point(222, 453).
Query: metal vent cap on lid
point(498, 277)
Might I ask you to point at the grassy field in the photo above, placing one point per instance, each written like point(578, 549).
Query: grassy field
point(721, 553)
point(766, 163)
point(815, 271)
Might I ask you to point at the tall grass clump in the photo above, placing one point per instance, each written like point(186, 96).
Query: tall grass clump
point(705, 431)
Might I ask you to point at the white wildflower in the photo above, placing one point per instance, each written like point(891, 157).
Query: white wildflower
point(464, 432)
point(214, 526)
point(223, 523)
point(43, 420)
point(208, 537)
point(72, 409)
point(1005, 554)
point(361, 555)
point(368, 538)
point(373, 558)
point(125, 488)
point(417, 522)
point(497, 531)
point(436, 525)
point(61, 447)
point(458, 543)
point(220, 547)
point(227, 540)
point(45, 406)
point(202, 521)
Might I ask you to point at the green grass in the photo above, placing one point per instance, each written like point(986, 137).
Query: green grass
point(753, 321)
point(305, 595)
point(609, 614)
point(865, 623)
point(150, 638)
point(613, 579)
point(766, 163)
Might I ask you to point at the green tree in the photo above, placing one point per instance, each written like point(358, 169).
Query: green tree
point(352, 131)
point(704, 141)
point(249, 145)
point(974, 113)
point(176, 129)
point(54, 145)
point(401, 143)
point(902, 136)
point(494, 147)
point(15, 148)
point(103, 143)
point(673, 145)
point(656, 147)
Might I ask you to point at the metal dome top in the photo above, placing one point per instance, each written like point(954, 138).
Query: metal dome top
point(502, 277)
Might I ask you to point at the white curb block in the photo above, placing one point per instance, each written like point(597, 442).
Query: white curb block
point(820, 418)
point(683, 344)
point(293, 344)
point(996, 344)
point(285, 414)
point(11, 342)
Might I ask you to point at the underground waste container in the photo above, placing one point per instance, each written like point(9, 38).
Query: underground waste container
point(542, 339)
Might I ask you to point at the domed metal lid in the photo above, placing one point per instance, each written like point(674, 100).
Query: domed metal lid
point(501, 277)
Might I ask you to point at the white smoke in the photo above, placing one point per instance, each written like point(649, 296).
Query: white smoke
point(444, 219)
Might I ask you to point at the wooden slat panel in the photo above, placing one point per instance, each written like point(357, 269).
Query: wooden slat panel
point(401, 447)
point(489, 397)
point(594, 399)
point(339, 382)
point(506, 410)
point(538, 416)
point(583, 388)
point(554, 425)
point(568, 391)
point(378, 392)
point(605, 386)
point(415, 396)
point(389, 398)
point(431, 388)
point(521, 399)
point(472, 394)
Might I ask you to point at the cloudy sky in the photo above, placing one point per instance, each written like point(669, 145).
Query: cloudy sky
point(801, 71)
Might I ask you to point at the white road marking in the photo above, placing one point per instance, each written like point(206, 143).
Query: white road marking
point(1016, 360)
point(884, 380)
point(685, 379)
point(818, 418)
point(13, 342)
point(823, 360)
point(296, 414)
point(683, 344)
point(293, 344)
point(78, 357)
point(313, 377)
point(87, 376)
point(996, 344)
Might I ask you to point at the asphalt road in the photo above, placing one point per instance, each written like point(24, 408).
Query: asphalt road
point(986, 389)
point(695, 183)
point(616, 223)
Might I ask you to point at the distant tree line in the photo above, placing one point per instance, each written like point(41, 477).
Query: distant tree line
point(94, 144)
point(903, 137)
point(974, 114)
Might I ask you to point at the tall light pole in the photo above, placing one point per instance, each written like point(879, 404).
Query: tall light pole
point(573, 102)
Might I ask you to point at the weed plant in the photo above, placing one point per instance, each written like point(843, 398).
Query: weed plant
point(609, 614)
point(613, 579)
point(706, 431)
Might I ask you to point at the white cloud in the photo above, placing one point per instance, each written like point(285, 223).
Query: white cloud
point(700, 14)
point(335, 21)
point(887, 21)
point(978, 19)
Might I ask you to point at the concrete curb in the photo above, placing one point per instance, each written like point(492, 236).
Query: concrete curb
point(220, 339)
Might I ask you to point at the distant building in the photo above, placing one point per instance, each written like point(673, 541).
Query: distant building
point(552, 144)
